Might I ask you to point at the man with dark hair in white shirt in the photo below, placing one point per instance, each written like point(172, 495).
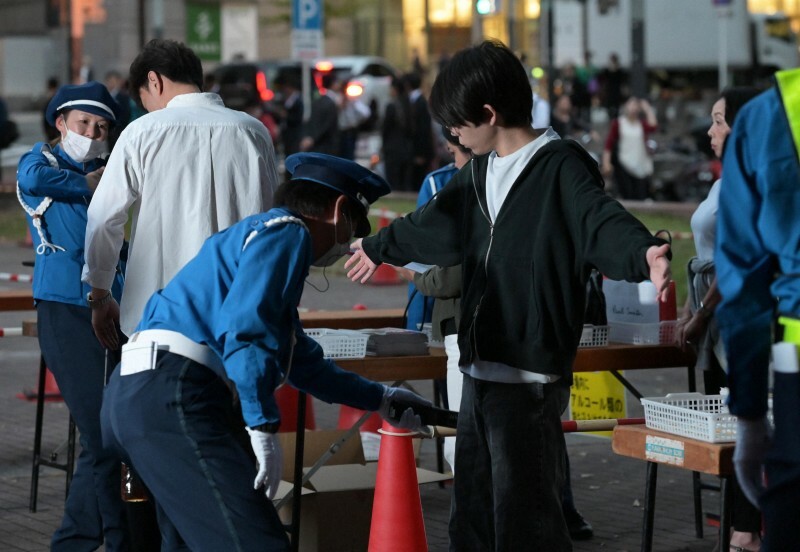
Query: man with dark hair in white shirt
point(188, 169)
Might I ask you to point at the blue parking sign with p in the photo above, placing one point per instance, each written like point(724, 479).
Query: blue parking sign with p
point(307, 14)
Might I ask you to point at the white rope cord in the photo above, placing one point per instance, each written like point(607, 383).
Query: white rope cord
point(272, 222)
point(37, 215)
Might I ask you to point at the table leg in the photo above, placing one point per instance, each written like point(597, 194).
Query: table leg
point(697, 490)
point(299, 450)
point(437, 402)
point(649, 507)
point(37, 436)
point(725, 507)
point(628, 385)
point(70, 453)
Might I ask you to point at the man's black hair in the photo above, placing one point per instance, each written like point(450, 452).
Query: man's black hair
point(330, 79)
point(168, 58)
point(312, 199)
point(413, 80)
point(488, 73)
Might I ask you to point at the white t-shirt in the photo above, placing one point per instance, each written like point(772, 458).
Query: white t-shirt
point(501, 173)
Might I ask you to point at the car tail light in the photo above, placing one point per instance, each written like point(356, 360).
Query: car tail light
point(354, 89)
point(323, 66)
point(263, 90)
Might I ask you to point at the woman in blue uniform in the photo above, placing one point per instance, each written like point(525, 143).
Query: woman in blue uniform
point(215, 343)
point(55, 186)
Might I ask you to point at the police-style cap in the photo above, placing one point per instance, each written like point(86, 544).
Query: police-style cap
point(91, 97)
point(358, 183)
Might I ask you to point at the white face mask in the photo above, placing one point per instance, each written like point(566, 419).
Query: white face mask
point(337, 251)
point(81, 148)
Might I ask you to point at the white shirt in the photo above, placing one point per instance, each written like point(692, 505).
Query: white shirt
point(704, 224)
point(501, 173)
point(187, 172)
point(632, 151)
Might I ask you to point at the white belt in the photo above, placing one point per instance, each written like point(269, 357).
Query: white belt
point(136, 357)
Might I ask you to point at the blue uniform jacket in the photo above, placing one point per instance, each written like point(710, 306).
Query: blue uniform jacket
point(57, 274)
point(420, 307)
point(758, 237)
point(239, 296)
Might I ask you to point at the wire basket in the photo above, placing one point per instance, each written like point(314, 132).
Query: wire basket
point(340, 343)
point(594, 336)
point(642, 334)
point(693, 415)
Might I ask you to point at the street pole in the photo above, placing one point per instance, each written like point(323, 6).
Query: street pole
point(584, 29)
point(723, 12)
point(71, 73)
point(142, 23)
point(512, 38)
point(546, 36)
point(477, 25)
point(638, 69)
point(158, 18)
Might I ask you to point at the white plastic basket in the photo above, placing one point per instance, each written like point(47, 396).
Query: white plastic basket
point(642, 334)
point(340, 343)
point(693, 415)
point(594, 336)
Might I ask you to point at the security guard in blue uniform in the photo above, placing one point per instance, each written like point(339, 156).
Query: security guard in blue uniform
point(55, 186)
point(758, 264)
point(226, 328)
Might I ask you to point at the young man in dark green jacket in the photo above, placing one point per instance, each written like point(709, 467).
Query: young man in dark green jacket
point(527, 219)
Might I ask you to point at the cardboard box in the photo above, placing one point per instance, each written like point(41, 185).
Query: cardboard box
point(336, 507)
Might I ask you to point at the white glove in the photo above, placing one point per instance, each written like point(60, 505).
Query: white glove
point(408, 419)
point(753, 438)
point(270, 461)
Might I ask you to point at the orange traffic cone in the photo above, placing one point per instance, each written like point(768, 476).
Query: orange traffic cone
point(348, 416)
point(51, 391)
point(286, 396)
point(384, 275)
point(397, 524)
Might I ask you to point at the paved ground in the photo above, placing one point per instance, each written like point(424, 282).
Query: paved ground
point(609, 489)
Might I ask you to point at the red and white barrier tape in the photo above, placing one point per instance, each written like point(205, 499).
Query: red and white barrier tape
point(568, 426)
point(573, 426)
point(10, 332)
point(15, 277)
point(385, 213)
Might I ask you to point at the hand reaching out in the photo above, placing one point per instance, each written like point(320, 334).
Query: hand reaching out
point(660, 271)
point(360, 268)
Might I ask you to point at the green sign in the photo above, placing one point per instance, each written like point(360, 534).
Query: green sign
point(203, 30)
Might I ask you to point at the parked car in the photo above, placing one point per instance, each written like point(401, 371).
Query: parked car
point(369, 79)
point(242, 83)
point(682, 172)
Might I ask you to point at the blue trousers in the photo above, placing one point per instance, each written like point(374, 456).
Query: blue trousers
point(94, 513)
point(178, 426)
point(510, 454)
point(781, 502)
